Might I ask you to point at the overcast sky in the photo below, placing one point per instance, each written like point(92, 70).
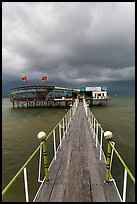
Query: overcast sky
point(70, 42)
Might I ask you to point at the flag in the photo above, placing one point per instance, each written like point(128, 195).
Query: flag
point(44, 77)
point(24, 78)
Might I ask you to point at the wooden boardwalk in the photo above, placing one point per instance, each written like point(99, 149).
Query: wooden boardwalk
point(77, 175)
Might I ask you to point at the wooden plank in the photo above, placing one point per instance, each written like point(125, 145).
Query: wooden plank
point(57, 193)
point(85, 183)
point(75, 140)
point(46, 189)
point(72, 192)
point(110, 191)
point(64, 166)
point(77, 175)
point(98, 194)
point(109, 188)
point(45, 192)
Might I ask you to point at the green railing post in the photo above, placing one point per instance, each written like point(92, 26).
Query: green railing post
point(108, 136)
point(42, 136)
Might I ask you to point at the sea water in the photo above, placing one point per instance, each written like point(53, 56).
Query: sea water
point(19, 140)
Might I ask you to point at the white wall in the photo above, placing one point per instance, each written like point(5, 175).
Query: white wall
point(99, 94)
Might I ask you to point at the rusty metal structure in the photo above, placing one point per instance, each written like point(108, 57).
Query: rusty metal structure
point(42, 96)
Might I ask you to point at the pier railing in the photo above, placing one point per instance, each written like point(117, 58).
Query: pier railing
point(98, 134)
point(57, 135)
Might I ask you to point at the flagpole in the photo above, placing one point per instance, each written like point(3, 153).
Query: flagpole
point(46, 87)
point(27, 91)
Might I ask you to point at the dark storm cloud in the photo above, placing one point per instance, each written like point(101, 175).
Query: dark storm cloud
point(73, 42)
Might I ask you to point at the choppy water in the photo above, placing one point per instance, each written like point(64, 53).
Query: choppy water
point(19, 138)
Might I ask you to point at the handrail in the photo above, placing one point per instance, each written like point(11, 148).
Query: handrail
point(73, 109)
point(21, 169)
point(94, 126)
point(118, 155)
point(122, 161)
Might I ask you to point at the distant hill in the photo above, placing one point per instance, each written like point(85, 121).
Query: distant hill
point(118, 87)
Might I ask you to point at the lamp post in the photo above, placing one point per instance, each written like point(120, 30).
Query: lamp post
point(42, 136)
point(108, 136)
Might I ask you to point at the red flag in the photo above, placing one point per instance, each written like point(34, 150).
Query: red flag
point(24, 78)
point(44, 77)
